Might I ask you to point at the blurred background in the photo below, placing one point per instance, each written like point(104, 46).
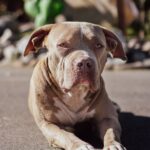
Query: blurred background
point(129, 19)
point(128, 83)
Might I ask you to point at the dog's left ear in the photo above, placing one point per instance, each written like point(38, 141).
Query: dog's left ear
point(36, 40)
point(114, 45)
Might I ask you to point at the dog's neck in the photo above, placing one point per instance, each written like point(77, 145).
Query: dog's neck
point(75, 98)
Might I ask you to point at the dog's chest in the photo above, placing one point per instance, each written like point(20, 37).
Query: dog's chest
point(72, 109)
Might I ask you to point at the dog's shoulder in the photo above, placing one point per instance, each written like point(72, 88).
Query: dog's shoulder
point(40, 77)
point(39, 67)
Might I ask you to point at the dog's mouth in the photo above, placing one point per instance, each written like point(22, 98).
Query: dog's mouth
point(82, 82)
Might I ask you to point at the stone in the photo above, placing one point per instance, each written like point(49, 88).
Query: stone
point(146, 46)
point(25, 27)
point(132, 42)
point(22, 43)
point(27, 59)
point(5, 38)
point(10, 53)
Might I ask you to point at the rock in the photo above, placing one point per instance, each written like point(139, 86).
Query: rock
point(26, 27)
point(27, 59)
point(10, 53)
point(5, 38)
point(22, 43)
point(132, 42)
point(146, 46)
point(112, 62)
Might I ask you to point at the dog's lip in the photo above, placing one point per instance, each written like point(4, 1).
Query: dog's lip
point(85, 82)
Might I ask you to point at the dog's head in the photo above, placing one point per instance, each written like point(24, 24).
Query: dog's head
point(77, 52)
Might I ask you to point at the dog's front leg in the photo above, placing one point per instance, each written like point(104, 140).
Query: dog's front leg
point(61, 138)
point(109, 127)
point(108, 123)
point(110, 133)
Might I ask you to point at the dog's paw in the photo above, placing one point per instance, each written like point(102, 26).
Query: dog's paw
point(85, 147)
point(115, 146)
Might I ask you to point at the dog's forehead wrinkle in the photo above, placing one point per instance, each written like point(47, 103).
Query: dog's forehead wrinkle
point(69, 35)
point(92, 33)
point(81, 34)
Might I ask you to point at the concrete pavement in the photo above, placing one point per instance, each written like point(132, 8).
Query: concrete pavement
point(130, 89)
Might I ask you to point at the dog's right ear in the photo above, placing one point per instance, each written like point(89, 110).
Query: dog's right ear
point(36, 40)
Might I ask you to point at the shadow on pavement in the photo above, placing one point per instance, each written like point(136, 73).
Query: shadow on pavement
point(135, 132)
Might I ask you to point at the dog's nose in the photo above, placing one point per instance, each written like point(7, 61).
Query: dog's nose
point(85, 64)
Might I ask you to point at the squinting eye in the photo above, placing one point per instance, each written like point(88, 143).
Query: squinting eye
point(63, 48)
point(63, 45)
point(98, 45)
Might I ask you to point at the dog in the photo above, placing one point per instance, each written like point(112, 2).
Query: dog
point(66, 86)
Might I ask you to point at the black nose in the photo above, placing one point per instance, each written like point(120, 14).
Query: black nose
point(85, 64)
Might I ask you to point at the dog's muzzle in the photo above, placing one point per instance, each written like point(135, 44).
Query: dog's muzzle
point(84, 71)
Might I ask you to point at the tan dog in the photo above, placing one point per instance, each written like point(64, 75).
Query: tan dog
point(66, 87)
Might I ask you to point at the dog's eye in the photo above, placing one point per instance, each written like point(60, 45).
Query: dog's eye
point(62, 45)
point(98, 46)
point(63, 48)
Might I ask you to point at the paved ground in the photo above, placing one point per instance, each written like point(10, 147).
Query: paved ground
point(130, 89)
